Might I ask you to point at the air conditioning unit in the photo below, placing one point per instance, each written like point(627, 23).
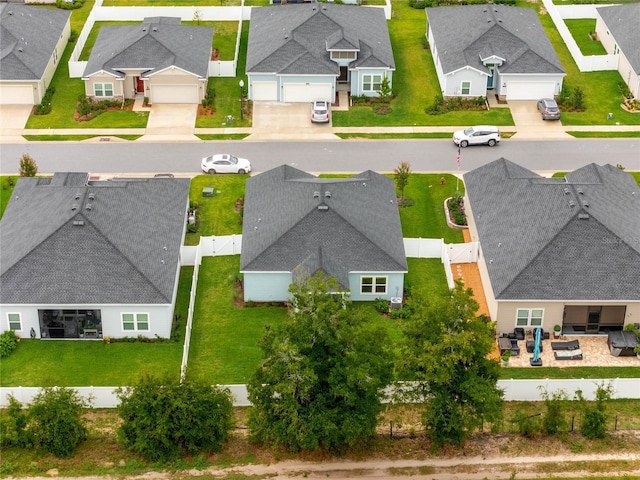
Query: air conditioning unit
point(396, 303)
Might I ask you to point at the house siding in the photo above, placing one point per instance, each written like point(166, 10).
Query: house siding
point(118, 86)
point(453, 83)
point(357, 80)
point(267, 287)
point(395, 286)
point(160, 318)
point(631, 78)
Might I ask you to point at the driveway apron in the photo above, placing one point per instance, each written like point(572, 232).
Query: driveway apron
point(172, 119)
point(529, 123)
point(13, 119)
point(287, 121)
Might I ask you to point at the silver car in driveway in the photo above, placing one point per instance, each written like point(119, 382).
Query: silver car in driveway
point(320, 112)
point(549, 109)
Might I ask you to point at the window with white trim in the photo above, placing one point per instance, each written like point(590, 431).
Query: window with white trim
point(375, 285)
point(465, 88)
point(371, 83)
point(135, 322)
point(529, 317)
point(15, 322)
point(103, 89)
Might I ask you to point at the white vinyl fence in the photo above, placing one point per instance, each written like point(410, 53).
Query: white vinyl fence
point(588, 63)
point(514, 390)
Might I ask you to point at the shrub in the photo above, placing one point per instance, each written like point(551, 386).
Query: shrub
point(8, 343)
point(528, 425)
point(13, 424)
point(381, 305)
point(44, 107)
point(55, 420)
point(624, 90)
point(456, 209)
point(73, 36)
point(405, 312)
point(164, 419)
point(28, 166)
point(69, 5)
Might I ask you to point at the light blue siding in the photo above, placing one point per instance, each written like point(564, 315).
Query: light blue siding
point(267, 287)
point(395, 286)
point(357, 80)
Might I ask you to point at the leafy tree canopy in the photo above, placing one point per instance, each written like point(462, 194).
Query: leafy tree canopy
point(323, 372)
point(447, 354)
point(162, 419)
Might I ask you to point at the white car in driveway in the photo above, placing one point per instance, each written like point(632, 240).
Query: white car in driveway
point(225, 163)
point(478, 135)
point(320, 111)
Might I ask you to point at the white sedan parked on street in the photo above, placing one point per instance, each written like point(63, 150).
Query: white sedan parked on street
point(225, 163)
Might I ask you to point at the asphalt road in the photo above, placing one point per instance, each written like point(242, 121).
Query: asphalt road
point(432, 155)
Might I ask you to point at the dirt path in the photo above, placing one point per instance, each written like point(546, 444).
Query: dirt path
point(455, 468)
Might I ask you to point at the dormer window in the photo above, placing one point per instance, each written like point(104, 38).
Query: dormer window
point(343, 55)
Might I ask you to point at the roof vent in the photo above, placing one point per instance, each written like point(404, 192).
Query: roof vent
point(89, 206)
point(572, 203)
point(74, 207)
point(78, 223)
point(77, 196)
point(566, 190)
point(585, 204)
point(155, 29)
point(144, 29)
point(323, 208)
point(316, 194)
point(580, 191)
point(583, 216)
point(327, 194)
point(92, 196)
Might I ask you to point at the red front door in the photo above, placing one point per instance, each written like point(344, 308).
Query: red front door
point(139, 85)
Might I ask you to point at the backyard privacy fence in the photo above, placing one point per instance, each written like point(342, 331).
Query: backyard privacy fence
point(585, 63)
point(514, 390)
point(217, 68)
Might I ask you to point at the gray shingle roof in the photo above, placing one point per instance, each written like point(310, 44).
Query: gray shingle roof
point(283, 227)
point(465, 34)
point(157, 43)
point(622, 21)
point(294, 39)
point(28, 36)
point(126, 250)
point(576, 238)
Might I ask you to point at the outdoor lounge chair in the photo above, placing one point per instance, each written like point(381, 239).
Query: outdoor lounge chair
point(568, 354)
point(571, 345)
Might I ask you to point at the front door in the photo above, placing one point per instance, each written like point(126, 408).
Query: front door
point(139, 85)
point(344, 75)
point(490, 78)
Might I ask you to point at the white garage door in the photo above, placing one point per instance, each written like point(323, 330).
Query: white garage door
point(174, 94)
point(264, 91)
point(530, 90)
point(306, 92)
point(16, 95)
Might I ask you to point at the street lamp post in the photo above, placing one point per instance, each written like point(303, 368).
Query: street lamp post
point(241, 95)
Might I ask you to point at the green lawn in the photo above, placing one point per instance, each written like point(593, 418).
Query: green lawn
point(218, 214)
point(580, 29)
point(7, 184)
point(227, 91)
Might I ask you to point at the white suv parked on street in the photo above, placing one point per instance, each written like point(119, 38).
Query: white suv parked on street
point(478, 135)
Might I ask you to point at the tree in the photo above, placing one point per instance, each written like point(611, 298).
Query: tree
point(13, 425)
point(447, 354)
point(384, 94)
point(554, 420)
point(402, 173)
point(594, 417)
point(162, 419)
point(28, 166)
point(323, 372)
point(55, 421)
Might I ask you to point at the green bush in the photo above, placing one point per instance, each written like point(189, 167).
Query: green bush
point(28, 166)
point(8, 343)
point(73, 36)
point(381, 305)
point(44, 107)
point(13, 425)
point(164, 419)
point(456, 209)
point(72, 5)
point(56, 422)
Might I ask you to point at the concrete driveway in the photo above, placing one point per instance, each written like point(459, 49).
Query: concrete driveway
point(287, 121)
point(13, 119)
point(529, 123)
point(174, 119)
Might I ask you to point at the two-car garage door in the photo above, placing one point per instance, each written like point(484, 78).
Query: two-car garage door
point(174, 94)
point(530, 90)
point(306, 92)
